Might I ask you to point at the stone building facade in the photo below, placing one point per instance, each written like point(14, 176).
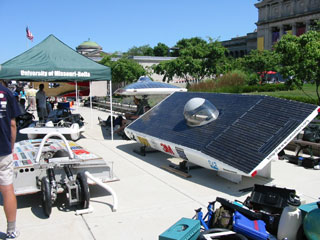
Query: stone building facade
point(240, 46)
point(279, 17)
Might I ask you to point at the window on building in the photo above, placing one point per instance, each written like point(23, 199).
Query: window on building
point(301, 29)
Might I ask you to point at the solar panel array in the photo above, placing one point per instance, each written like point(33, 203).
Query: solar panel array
point(247, 130)
point(149, 84)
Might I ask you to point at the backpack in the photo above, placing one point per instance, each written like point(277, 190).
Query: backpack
point(222, 218)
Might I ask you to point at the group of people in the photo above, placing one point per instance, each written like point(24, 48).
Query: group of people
point(24, 97)
point(36, 99)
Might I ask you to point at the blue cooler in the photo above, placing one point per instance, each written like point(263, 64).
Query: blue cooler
point(184, 229)
point(253, 229)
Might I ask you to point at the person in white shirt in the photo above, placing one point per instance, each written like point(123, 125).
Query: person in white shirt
point(31, 96)
point(41, 100)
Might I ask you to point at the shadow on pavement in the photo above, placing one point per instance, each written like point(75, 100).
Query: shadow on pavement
point(201, 176)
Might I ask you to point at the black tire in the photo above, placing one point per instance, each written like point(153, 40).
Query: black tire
point(84, 192)
point(46, 196)
point(235, 236)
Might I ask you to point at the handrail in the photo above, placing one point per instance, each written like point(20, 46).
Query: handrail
point(56, 134)
point(106, 187)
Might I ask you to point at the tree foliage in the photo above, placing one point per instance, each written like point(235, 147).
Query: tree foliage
point(196, 59)
point(123, 70)
point(260, 61)
point(161, 50)
point(300, 58)
point(144, 50)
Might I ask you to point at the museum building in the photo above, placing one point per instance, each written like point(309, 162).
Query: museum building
point(275, 18)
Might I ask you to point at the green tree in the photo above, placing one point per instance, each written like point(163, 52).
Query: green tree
point(196, 60)
point(123, 70)
point(186, 43)
point(260, 61)
point(144, 50)
point(316, 26)
point(161, 50)
point(300, 58)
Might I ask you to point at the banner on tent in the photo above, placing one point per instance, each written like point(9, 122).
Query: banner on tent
point(54, 74)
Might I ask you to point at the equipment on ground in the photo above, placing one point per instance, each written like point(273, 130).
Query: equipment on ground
point(53, 166)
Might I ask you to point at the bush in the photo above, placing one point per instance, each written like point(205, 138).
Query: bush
point(253, 79)
point(232, 79)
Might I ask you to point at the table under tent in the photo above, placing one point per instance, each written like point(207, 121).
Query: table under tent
point(53, 61)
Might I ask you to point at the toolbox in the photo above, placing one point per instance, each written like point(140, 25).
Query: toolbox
point(254, 229)
point(270, 199)
point(184, 229)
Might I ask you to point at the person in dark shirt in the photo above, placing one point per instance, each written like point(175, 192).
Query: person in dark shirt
point(9, 110)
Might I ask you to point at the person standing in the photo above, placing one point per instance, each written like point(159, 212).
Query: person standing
point(31, 97)
point(9, 110)
point(41, 100)
point(23, 94)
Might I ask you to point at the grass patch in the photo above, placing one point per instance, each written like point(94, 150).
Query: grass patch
point(309, 89)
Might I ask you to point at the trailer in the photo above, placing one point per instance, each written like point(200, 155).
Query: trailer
point(52, 166)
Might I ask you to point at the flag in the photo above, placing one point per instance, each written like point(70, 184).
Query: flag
point(29, 34)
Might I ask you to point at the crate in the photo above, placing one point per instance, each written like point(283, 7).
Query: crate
point(254, 229)
point(184, 229)
point(270, 199)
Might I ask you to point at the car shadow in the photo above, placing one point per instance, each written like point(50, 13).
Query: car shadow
point(199, 175)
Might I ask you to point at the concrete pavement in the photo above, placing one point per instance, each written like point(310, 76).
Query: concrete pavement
point(151, 199)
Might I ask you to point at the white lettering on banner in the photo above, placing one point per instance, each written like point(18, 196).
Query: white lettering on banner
point(34, 73)
point(29, 73)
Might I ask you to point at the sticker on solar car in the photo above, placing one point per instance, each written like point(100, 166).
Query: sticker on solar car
point(213, 165)
point(167, 148)
point(143, 141)
point(181, 153)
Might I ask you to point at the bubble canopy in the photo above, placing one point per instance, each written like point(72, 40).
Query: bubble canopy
point(199, 111)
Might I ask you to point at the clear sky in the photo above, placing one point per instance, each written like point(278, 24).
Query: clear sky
point(121, 24)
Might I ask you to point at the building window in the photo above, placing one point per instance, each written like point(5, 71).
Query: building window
point(301, 29)
point(275, 35)
point(287, 29)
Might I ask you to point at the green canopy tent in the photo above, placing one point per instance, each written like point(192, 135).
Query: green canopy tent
point(52, 60)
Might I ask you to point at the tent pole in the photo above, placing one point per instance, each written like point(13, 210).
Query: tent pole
point(110, 92)
point(90, 104)
point(77, 105)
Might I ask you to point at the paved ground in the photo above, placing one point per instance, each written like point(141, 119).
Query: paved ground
point(150, 198)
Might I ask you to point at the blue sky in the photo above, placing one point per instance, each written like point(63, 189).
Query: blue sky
point(122, 24)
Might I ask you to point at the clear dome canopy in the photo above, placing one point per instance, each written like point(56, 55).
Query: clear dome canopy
point(199, 111)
